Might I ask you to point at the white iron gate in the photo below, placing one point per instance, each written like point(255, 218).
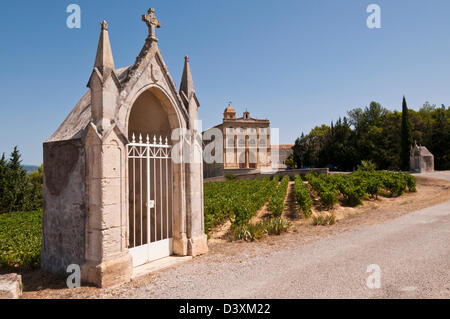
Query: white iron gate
point(150, 199)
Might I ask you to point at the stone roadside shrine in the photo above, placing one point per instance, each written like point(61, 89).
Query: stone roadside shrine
point(421, 159)
point(123, 182)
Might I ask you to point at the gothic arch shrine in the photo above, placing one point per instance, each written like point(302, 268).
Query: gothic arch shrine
point(114, 197)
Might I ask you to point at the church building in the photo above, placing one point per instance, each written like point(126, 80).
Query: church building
point(246, 145)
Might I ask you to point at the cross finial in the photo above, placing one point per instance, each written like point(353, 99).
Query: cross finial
point(152, 23)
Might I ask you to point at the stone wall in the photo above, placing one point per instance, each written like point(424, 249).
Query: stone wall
point(212, 170)
point(65, 205)
point(291, 173)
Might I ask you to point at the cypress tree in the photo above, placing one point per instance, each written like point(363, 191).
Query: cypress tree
point(406, 138)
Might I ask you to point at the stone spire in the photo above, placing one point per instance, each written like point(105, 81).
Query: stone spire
point(104, 84)
point(187, 84)
point(104, 61)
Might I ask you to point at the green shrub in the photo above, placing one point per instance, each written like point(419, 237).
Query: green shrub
point(373, 186)
point(351, 187)
point(230, 176)
point(20, 239)
point(303, 196)
point(325, 188)
point(328, 198)
point(367, 166)
point(411, 182)
point(394, 182)
point(276, 204)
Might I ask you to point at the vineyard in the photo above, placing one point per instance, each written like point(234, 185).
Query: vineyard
point(20, 240)
point(238, 201)
point(351, 189)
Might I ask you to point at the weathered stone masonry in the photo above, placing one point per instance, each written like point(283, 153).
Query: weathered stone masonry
point(86, 177)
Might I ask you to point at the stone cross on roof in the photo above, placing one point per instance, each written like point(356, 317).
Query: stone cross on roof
point(152, 23)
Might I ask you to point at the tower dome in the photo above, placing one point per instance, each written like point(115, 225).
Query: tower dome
point(229, 113)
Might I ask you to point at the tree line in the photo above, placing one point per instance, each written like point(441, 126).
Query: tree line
point(19, 191)
point(376, 134)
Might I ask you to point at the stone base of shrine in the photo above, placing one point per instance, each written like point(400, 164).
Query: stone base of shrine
point(108, 273)
point(198, 245)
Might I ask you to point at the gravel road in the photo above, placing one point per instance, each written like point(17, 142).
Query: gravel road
point(412, 252)
point(438, 174)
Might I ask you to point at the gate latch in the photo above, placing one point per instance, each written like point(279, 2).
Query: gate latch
point(151, 204)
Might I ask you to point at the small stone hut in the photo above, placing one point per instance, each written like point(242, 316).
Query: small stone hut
point(421, 159)
point(123, 182)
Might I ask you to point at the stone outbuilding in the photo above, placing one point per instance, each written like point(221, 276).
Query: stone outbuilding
point(123, 182)
point(421, 159)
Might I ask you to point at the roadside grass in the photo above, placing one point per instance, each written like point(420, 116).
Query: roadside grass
point(324, 220)
point(252, 232)
point(20, 240)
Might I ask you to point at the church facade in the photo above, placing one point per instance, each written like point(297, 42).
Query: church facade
point(245, 148)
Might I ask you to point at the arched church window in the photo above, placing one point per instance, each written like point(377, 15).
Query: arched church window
point(262, 142)
point(231, 142)
point(241, 142)
point(252, 142)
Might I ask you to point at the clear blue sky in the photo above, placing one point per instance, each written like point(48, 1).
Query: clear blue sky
point(297, 63)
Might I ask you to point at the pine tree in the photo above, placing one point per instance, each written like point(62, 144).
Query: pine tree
point(14, 160)
point(16, 182)
point(406, 138)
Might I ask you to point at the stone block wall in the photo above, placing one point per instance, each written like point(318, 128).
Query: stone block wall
point(65, 206)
